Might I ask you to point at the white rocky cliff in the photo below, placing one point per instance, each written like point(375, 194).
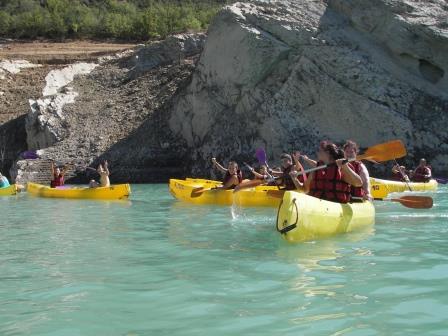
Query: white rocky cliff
point(286, 74)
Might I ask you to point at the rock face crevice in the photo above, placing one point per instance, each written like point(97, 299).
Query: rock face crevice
point(288, 74)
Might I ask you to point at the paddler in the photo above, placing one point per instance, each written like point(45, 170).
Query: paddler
point(233, 176)
point(288, 172)
point(351, 149)
point(399, 173)
point(3, 181)
point(422, 173)
point(103, 171)
point(58, 175)
point(334, 182)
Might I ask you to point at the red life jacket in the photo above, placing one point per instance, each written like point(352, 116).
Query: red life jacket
point(357, 192)
point(419, 174)
point(397, 177)
point(228, 176)
point(287, 182)
point(329, 185)
point(58, 181)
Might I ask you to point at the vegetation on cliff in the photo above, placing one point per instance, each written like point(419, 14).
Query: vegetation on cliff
point(126, 20)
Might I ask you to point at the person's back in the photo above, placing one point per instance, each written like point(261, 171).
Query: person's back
point(4, 183)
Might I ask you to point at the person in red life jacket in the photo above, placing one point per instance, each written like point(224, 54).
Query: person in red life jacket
point(233, 175)
point(422, 173)
point(351, 149)
point(58, 175)
point(399, 173)
point(287, 173)
point(334, 182)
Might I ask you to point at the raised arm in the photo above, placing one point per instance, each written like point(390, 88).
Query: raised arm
point(52, 169)
point(299, 185)
point(348, 175)
point(106, 167)
point(309, 161)
point(365, 177)
point(218, 166)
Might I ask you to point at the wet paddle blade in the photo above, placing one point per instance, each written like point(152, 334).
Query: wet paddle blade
point(197, 192)
point(384, 152)
point(276, 193)
point(415, 202)
point(261, 156)
point(441, 180)
point(248, 185)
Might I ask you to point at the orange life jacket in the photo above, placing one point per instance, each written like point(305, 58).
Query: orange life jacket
point(357, 192)
point(329, 185)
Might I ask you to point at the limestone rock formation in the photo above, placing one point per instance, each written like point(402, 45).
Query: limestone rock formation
point(286, 74)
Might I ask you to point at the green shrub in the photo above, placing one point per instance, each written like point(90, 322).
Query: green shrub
point(130, 20)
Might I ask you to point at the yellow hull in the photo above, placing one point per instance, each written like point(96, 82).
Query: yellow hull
point(184, 190)
point(382, 188)
point(113, 192)
point(302, 217)
point(8, 191)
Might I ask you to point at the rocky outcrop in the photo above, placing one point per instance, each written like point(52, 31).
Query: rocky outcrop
point(286, 74)
point(45, 124)
point(281, 75)
point(117, 112)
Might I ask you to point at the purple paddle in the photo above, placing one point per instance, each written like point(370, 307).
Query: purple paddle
point(261, 156)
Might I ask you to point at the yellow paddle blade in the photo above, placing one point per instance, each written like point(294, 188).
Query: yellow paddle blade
point(384, 152)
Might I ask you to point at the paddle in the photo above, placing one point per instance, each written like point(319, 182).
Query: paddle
point(276, 193)
point(403, 175)
point(261, 156)
point(378, 153)
point(413, 202)
point(441, 180)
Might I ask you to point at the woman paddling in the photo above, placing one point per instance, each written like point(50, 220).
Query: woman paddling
point(351, 149)
point(334, 182)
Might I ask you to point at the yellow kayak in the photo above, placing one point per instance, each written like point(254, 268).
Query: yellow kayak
point(199, 191)
point(381, 188)
point(8, 191)
point(302, 217)
point(113, 192)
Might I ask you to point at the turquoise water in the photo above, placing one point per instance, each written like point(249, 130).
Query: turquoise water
point(154, 266)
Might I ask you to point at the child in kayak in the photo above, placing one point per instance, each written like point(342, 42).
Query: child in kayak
point(288, 174)
point(233, 176)
point(103, 171)
point(399, 173)
point(58, 175)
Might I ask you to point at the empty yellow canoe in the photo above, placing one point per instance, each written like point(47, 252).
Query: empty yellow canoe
point(8, 191)
point(199, 191)
point(302, 217)
point(113, 192)
point(381, 188)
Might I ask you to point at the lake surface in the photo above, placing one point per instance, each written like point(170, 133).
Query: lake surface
point(155, 266)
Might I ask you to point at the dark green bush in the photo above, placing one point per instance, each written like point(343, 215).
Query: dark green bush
point(127, 20)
